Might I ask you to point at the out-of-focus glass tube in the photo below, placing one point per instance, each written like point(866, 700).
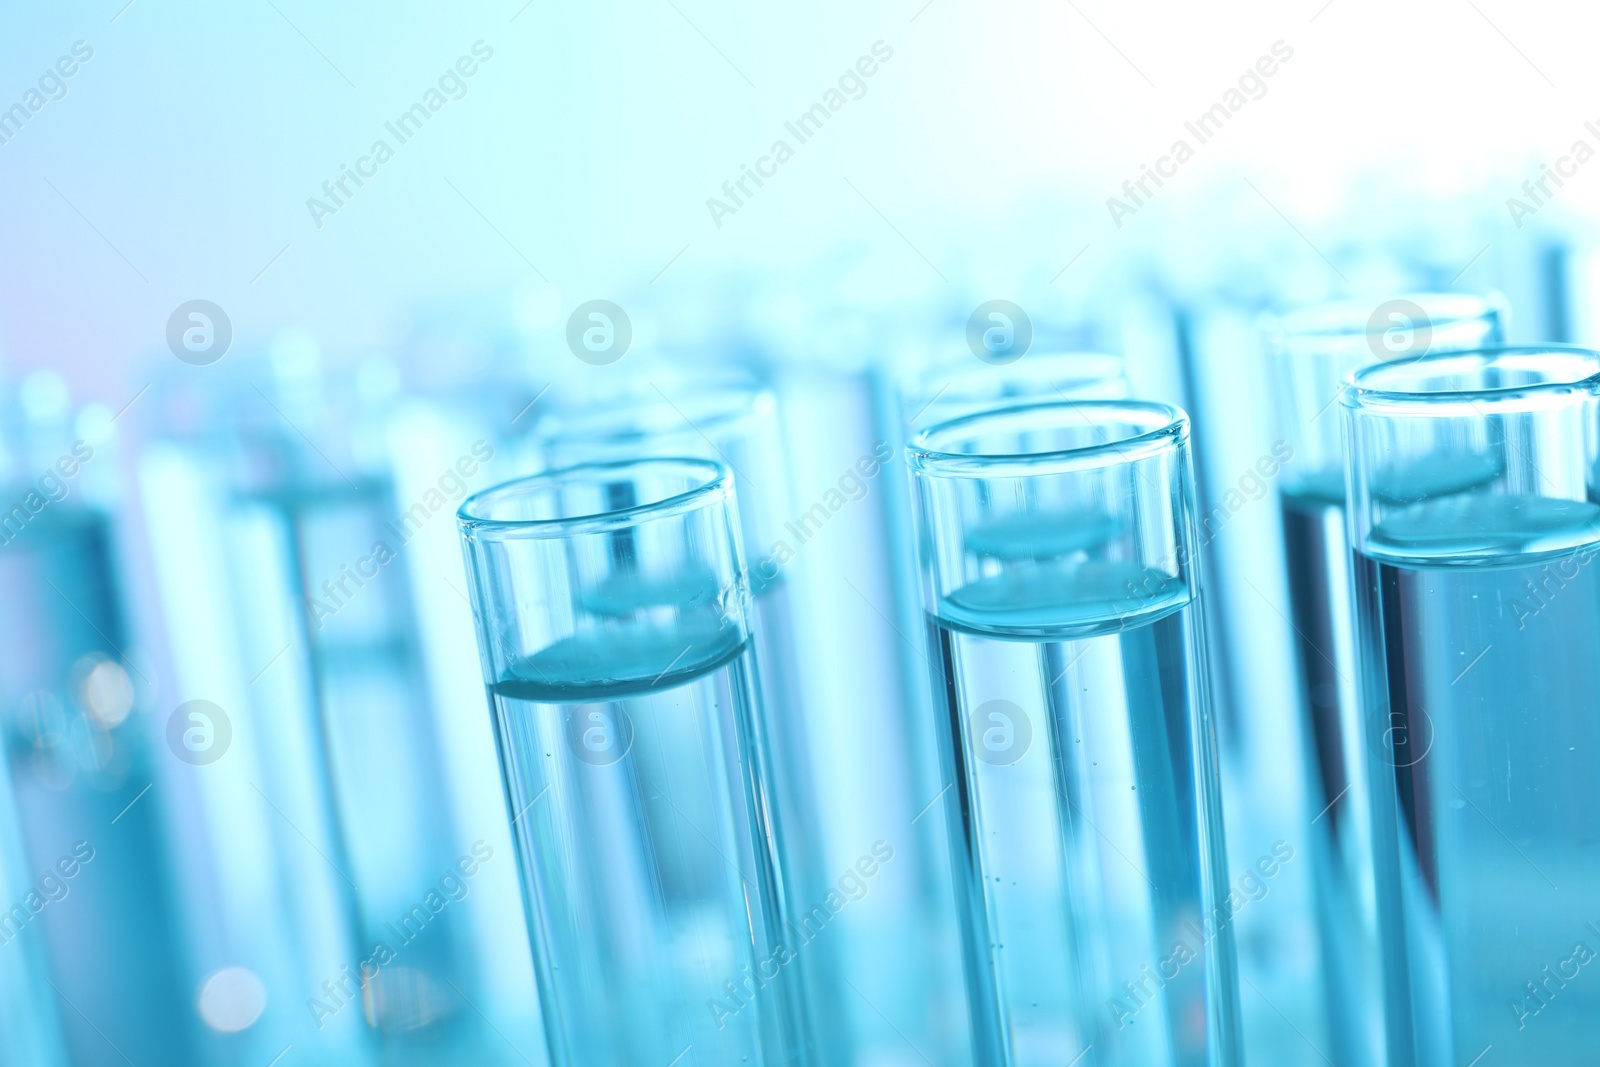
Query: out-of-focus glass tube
point(1310, 353)
point(1472, 488)
point(614, 626)
point(737, 424)
point(75, 729)
point(305, 539)
point(1063, 604)
point(29, 1027)
point(916, 398)
point(931, 395)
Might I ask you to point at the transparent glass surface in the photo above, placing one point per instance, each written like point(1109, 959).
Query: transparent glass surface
point(962, 387)
point(1062, 603)
point(614, 627)
point(375, 750)
point(76, 736)
point(336, 872)
point(1310, 353)
point(29, 1027)
point(913, 400)
point(737, 423)
point(1478, 617)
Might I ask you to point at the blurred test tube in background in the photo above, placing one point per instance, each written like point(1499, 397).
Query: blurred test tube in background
point(73, 717)
point(906, 999)
point(30, 1030)
point(1310, 353)
point(283, 550)
point(738, 424)
point(934, 394)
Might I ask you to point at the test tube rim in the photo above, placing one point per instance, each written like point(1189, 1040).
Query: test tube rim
point(1351, 318)
point(920, 390)
point(1035, 363)
point(1361, 393)
point(1165, 428)
point(717, 484)
point(623, 423)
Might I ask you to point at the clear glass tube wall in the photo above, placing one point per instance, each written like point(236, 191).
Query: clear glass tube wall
point(1063, 607)
point(283, 550)
point(30, 1030)
point(947, 390)
point(614, 627)
point(1473, 492)
point(1310, 353)
point(74, 726)
point(917, 398)
point(737, 423)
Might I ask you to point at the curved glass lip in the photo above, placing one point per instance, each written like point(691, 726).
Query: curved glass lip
point(1039, 366)
point(1372, 388)
point(1351, 317)
point(720, 406)
point(1159, 428)
point(716, 483)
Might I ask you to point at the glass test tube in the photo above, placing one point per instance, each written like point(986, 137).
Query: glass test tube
point(30, 1034)
point(1310, 353)
point(614, 627)
point(1479, 616)
point(1063, 603)
point(76, 733)
point(915, 400)
point(950, 389)
point(870, 727)
point(737, 423)
point(308, 542)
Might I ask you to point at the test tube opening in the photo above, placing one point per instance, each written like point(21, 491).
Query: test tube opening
point(1474, 521)
point(1063, 613)
point(574, 499)
point(624, 691)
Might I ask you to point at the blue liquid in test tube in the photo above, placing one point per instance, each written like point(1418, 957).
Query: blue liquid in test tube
point(1310, 352)
point(309, 545)
point(80, 764)
point(30, 1031)
point(738, 424)
point(624, 682)
point(1063, 609)
point(1478, 609)
point(76, 733)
